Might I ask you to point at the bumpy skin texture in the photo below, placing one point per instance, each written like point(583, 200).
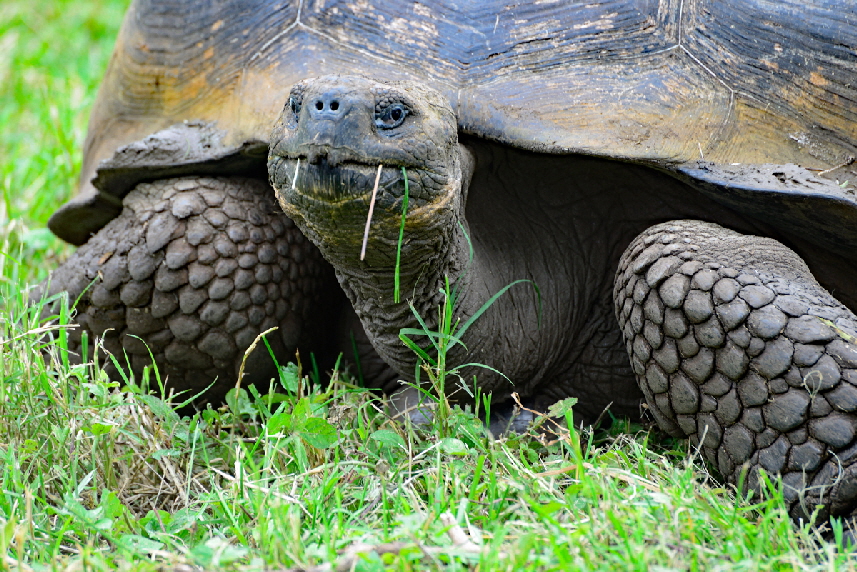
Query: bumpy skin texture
point(193, 269)
point(736, 346)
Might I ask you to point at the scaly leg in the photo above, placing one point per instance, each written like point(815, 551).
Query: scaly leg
point(193, 269)
point(737, 347)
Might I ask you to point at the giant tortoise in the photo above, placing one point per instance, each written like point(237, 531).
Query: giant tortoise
point(663, 171)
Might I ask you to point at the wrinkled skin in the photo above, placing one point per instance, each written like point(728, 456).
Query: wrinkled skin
point(732, 340)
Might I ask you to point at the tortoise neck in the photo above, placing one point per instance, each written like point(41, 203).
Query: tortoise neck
point(431, 257)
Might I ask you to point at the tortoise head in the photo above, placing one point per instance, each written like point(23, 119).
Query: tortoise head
point(327, 146)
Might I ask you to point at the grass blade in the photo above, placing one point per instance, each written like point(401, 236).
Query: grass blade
point(491, 300)
point(396, 292)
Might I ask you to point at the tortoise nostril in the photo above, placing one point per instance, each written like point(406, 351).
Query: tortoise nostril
point(328, 105)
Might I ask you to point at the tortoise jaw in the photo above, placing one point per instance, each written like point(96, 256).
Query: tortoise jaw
point(321, 179)
point(332, 181)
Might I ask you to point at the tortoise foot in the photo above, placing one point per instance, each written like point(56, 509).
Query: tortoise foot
point(737, 347)
point(190, 273)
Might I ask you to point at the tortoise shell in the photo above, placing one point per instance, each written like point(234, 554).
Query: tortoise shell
point(670, 83)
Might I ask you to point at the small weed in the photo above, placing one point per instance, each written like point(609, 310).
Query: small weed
point(449, 334)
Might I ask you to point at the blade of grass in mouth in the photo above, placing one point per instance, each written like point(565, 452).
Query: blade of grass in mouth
point(295, 178)
point(396, 293)
point(369, 217)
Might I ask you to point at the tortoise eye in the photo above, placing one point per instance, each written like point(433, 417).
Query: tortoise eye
point(391, 116)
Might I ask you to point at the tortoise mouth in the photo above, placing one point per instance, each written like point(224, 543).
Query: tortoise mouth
point(341, 182)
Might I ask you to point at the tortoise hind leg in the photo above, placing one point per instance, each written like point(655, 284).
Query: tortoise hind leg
point(736, 346)
point(193, 269)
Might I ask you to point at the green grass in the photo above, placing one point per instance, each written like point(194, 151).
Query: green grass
point(98, 476)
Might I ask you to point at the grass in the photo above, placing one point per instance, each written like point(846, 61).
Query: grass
point(396, 292)
point(98, 475)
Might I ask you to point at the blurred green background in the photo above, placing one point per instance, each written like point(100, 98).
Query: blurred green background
point(52, 56)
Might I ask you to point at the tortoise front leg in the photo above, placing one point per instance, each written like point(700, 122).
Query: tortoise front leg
point(192, 270)
point(736, 346)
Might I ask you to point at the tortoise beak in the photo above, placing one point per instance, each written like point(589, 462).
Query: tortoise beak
point(334, 156)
